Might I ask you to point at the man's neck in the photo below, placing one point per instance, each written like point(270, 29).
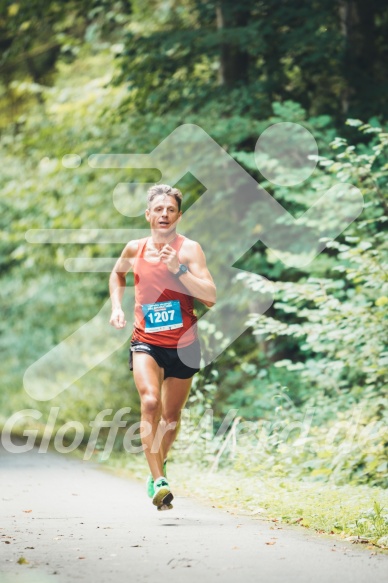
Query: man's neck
point(161, 238)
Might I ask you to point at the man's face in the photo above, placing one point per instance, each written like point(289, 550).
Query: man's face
point(163, 213)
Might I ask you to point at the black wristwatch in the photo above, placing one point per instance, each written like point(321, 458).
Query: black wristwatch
point(182, 269)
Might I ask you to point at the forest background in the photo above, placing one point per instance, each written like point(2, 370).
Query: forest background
point(105, 76)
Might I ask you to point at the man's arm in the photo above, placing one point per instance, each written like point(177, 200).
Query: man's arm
point(197, 280)
point(117, 283)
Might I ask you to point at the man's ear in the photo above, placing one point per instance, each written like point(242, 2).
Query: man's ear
point(179, 217)
point(147, 215)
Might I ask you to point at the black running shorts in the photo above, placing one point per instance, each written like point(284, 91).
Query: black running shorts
point(169, 358)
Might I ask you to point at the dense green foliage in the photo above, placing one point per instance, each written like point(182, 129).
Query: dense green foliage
point(328, 56)
point(119, 77)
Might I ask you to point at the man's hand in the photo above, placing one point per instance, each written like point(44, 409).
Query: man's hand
point(117, 318)
point(169, 256)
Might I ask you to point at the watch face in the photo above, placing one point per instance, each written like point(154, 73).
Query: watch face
point(182, 270)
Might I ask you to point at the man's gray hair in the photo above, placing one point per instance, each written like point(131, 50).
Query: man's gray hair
point(164, 189)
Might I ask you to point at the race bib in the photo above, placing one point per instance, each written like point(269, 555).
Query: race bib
point(162, 316)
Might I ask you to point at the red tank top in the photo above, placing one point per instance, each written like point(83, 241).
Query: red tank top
point(152, 282)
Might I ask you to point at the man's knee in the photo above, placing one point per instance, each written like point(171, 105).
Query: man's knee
point(150, 405)
point(171, 419)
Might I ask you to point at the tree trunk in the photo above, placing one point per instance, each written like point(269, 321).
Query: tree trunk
point(348, 18)
point(234, 61)
point(357, 25)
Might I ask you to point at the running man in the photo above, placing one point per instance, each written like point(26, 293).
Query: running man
point(170, 271)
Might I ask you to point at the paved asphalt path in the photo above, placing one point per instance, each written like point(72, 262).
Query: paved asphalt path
point(73, 522)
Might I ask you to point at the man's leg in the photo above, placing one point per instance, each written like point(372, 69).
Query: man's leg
point(174, 395)
point(148, 377)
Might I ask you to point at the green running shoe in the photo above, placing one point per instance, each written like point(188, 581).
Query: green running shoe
point(150, 481)
point(163, 495)
point(150, 486)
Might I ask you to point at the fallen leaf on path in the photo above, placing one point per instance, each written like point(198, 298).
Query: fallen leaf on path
point(82, 557)
point(27, 510)
point(272, 542)
point(22, 561)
